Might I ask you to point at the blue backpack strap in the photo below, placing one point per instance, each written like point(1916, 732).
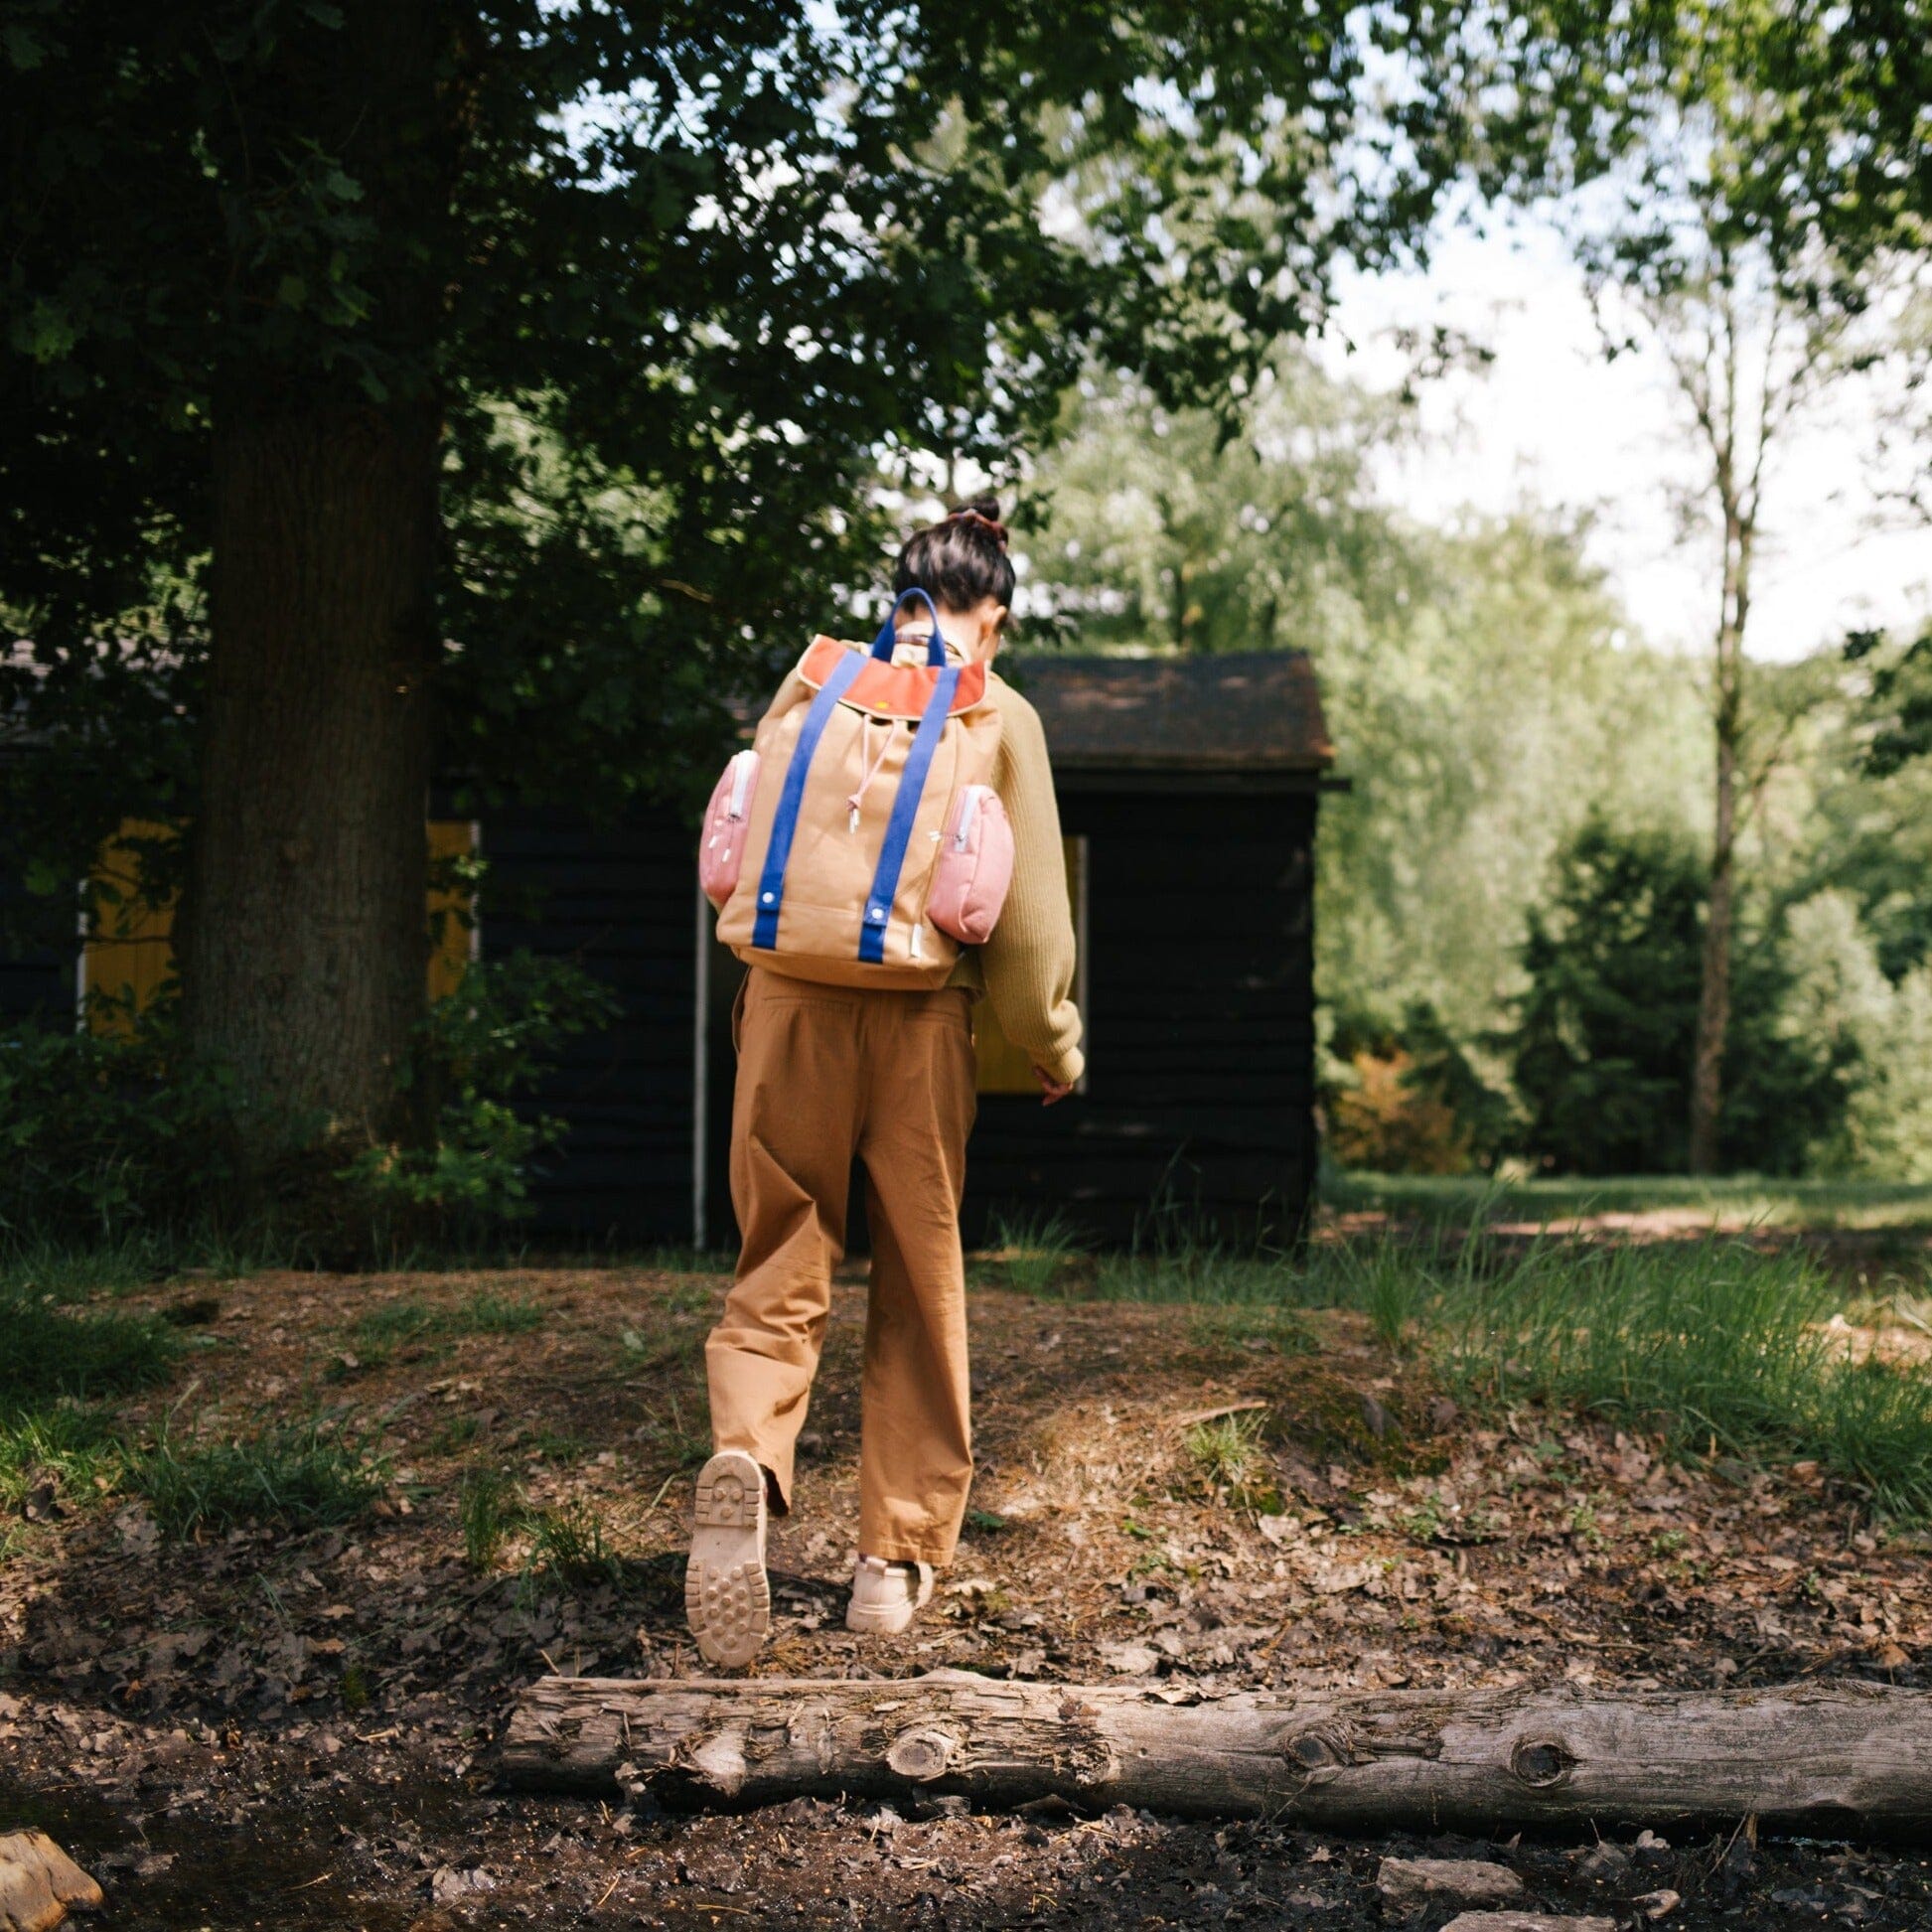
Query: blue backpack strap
point(884, 644)
point(905, 809)
point(784, 824)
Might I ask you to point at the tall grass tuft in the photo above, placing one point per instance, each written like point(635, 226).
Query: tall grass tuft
point(490, 1506)
point(47, 1352)
point(302, 1474)
point(570, 1547)
point(1709, 1345)
point(1034, 1250)
point(1232, 1460)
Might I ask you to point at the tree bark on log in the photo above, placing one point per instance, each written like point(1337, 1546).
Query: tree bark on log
point(1844, 1758)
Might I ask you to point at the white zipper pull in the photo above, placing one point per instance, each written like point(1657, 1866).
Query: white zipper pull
point(852, 824)
point(740, 783)
point(969, 810)
point(918, 949)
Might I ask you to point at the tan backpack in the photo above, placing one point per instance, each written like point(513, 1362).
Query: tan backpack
point(862, 818)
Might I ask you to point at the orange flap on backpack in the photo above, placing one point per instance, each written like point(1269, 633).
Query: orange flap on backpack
point(890, 691)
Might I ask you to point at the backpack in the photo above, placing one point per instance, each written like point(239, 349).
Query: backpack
point(859, 841)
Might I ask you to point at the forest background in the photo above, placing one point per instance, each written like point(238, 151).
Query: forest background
point(493, 391)
point(1511, 891)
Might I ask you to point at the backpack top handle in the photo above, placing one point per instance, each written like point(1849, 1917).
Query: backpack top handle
point(884, 644)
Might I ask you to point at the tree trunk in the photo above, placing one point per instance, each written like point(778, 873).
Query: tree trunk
point(1837, 1757)
point(1713, 988)
point(1713, 983)
point(304, 930)
point(304, 933)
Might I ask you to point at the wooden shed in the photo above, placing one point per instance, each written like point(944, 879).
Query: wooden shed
point(1188, 793)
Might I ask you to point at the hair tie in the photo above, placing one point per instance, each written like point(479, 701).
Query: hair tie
point(970, 516)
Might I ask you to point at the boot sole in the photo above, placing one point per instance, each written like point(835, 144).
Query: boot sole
point(727, 1598)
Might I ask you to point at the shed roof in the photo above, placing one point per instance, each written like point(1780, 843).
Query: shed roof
point(1256, 711)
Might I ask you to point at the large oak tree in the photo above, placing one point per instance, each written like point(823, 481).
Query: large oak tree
point(470, 385)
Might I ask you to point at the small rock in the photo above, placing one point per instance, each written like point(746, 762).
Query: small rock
point(1130, 1660)
point(1658, 1904)
point(38, 1882)
point(1603, 1861)
point(1525, 1922)
point(447, 1883)
point(139, 1533)
point(1406, 1882)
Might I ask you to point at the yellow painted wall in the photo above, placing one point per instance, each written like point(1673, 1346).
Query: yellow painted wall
point(130, 955)
point(452, 905)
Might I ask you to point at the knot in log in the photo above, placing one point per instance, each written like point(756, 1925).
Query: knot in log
point(1542, 1763)
point(922, 1754)
point(1323, 1750)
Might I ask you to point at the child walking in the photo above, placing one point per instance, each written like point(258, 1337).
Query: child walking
point(882, 1071)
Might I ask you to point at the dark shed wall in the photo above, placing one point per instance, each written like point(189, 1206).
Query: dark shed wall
point(1201, 1031)
point(1200, 1019)
point(39, 980)
point(619, 900)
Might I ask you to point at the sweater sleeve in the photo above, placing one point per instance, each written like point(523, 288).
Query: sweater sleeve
point(1028, 961)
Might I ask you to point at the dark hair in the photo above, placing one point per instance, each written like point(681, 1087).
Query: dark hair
point(960, 559)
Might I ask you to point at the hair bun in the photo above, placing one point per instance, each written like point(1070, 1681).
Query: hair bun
point(984, 512)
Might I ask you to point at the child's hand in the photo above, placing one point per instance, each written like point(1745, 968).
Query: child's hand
point(1051, 1090)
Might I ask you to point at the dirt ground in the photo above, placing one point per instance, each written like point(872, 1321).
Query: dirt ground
point(280, 1730)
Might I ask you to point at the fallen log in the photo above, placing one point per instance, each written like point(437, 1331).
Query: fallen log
point(1841, 1758)
point(39, 1884)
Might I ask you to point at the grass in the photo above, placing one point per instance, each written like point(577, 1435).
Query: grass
point(59, 1273)
point(492, 1507)
point(1733, 1201)
point(568, 1546)
point(669, 1438)
point(47, 1352)
point(409, 1321)
point(1230, 1455)
point(303, 1475)
point(1712, 1347)
point(1033, 1250)
point(64, 1441)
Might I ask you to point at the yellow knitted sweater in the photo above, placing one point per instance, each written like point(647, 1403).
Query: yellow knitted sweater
point(1026, 968)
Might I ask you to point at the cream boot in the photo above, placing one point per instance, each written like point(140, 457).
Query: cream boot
point(727, 1599)
point(886, 1596)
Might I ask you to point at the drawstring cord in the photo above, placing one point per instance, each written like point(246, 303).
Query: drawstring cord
point(872, 769)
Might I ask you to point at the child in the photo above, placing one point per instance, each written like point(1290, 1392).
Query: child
point(828, 1071)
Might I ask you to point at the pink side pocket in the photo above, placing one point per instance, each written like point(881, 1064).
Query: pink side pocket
point(976, 867)
point(721, 838)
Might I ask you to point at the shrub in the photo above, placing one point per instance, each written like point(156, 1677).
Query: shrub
point(468, 1162)
point(1604, 1036)
point(119, 1137)
point(1384, 1121)
point(103, 1137)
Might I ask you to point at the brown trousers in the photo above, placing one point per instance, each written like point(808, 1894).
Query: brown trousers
point(825, 1073)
